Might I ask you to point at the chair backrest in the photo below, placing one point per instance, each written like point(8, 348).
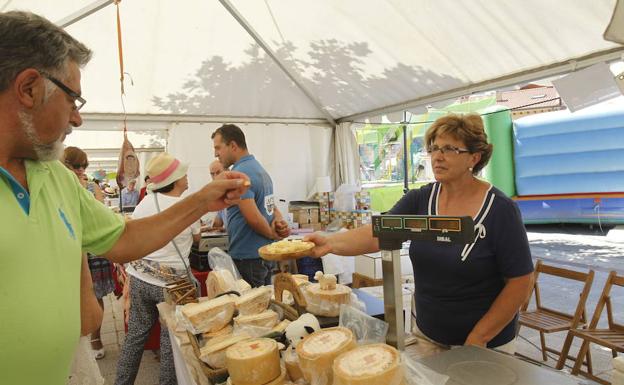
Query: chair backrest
point(585, 278)
point(605, 300)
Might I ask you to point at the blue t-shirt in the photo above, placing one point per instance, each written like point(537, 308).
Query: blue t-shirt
point(244, 241)
point(457, 284)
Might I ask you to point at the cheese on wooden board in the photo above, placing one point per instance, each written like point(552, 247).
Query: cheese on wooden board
point(375, 364)
point(254, 301)
point(253, 362)
point(220, 281)
point(318, 350)
point(267, 319)
point(209, 316)
point(213, 353)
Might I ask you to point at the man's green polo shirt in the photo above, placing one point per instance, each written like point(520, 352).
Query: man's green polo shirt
point(40, 257)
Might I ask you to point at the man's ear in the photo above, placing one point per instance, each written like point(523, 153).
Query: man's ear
point(29, 87)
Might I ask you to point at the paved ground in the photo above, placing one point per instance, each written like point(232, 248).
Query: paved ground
point(574, 247)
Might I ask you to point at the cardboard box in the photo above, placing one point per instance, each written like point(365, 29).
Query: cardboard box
point(304, 216)
point(370, 265)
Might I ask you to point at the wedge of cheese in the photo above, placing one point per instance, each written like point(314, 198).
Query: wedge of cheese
point(280, 327)
point(220, 281)
point(253, 362)
point(226, 330)
point(242, 286)
point(291, 361)
point(318, 350)
point(254, 301)
point(213, 353)
point(209, 316)
point(267, 319)
point(376, 364)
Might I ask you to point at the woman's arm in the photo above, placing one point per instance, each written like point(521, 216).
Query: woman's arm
point(353, 242)
point(502, 311)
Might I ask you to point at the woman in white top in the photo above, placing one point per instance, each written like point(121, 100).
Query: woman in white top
point(149, 275)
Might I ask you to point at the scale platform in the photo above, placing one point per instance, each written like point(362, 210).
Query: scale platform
point(472, 365)
point(392, 231)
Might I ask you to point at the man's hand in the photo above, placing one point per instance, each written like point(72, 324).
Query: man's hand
point(322, 245)
point(225, 190)
point(280, 228)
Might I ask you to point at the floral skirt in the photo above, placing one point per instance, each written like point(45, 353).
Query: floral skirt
point(102, 275)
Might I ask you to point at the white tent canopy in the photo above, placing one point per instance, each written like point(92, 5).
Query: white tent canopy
point(270, 63)
point(352, 56)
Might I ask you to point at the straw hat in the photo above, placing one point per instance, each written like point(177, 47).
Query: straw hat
point(163, 170)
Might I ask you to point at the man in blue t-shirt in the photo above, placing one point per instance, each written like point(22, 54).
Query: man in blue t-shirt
point(255, 221)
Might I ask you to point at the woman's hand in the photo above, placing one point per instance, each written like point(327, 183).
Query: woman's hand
point(322, 247)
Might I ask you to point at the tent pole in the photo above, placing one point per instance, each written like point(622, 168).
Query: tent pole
point(82, 13)
point(241, 20)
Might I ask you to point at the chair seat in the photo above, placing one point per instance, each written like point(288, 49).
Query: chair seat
point(545, 321)
point(613, 339)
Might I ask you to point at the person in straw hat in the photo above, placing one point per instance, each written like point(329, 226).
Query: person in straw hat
point(148, 276)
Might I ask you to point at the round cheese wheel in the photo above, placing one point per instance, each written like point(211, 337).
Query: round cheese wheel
point(318, 350)
point(326, 302)
point(219, 281)
point(253, 362)
point(254, 301)
point(376, 364)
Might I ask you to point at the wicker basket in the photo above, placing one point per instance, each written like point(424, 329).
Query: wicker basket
point(180, 292)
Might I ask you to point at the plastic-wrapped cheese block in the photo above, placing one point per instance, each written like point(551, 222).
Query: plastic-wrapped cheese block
point(213, 353)
point(266, 319)
point(254, 301)
point(318, 350)
point(209, 316)
point(326, 302)
point(226, 330)
point(253, 362)
point(220, 281)
point(376, 364)
point(242, 286)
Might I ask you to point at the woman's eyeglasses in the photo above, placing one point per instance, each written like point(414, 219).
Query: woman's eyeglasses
point(446, 150)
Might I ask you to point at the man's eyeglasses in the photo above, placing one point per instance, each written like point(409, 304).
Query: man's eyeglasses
point(79, 101)
point(77, 166)
point(446, 150)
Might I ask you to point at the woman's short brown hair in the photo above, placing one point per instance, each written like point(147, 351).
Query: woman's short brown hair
point(467, 128)
point(74, 155)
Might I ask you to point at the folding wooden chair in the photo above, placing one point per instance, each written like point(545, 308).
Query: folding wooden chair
point(547, 320)
point(612, 337)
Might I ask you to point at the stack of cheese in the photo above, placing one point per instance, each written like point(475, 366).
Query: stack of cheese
point(325, 297)
point(254, 301)
point(209, 316)
point(254, 318)
point(376, 364)
point(318, 350)
point(220, 281)
point(255, 362)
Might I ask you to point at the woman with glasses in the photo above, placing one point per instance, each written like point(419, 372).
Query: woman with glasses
point(464, 294)
point(101, 269)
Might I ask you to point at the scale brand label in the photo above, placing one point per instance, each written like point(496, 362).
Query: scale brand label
point(443, 239)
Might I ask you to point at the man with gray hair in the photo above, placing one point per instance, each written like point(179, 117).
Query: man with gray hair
point(48, 219)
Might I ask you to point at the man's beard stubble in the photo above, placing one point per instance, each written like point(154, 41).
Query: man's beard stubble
point(43, 151)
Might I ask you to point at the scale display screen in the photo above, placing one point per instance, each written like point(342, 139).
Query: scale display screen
point(445, 224)
point(391, 223)
point(416, 223)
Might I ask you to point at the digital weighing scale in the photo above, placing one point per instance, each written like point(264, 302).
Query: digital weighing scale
point(392, 231)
